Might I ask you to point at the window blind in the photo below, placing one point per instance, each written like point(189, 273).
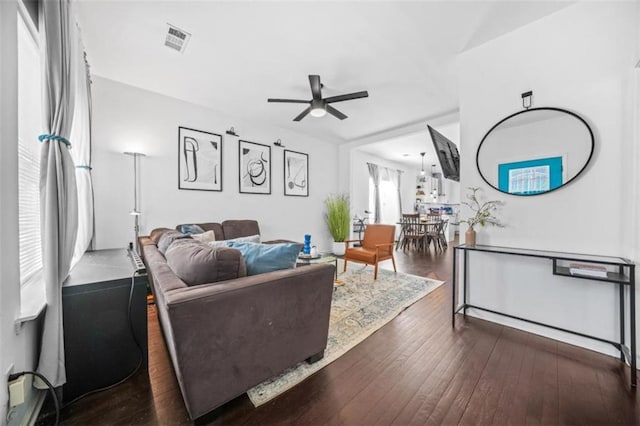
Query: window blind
point(29, 211)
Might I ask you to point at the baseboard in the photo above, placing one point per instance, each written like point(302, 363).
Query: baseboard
point(589, 344)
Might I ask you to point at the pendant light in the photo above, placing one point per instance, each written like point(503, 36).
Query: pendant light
point(422, 170)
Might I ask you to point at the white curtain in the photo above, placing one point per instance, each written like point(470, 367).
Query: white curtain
point(58, 192)
point(374, 174)
point(81, 152)
point(395, 177)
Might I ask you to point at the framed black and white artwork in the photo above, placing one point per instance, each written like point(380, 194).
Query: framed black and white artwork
point(296, 173)
point(199, 160)
point(254, 168)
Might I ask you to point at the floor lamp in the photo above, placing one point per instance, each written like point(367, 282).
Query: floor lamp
point(135, 212)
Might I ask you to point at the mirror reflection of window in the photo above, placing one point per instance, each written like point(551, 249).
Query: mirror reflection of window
point(529, 180)
point(532, 176)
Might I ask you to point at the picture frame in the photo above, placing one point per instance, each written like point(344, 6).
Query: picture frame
point(296, 173)
point(254, 168)
point(199, 160)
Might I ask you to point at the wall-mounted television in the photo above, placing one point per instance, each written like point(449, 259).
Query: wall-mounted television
point(447, 153)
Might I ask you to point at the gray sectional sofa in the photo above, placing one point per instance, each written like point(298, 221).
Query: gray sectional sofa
point(228, 336)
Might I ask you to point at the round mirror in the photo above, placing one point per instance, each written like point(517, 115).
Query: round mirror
point(535, 151)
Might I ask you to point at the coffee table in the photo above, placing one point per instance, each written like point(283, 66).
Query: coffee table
point(323, 258)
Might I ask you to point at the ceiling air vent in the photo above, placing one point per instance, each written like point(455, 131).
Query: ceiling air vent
point(177, 39)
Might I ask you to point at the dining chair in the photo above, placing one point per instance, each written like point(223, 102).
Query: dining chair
point(413, 232)
point(433, 217)
point(376, 246)
point(442, 235)
point(406, 219)
point(432, 232)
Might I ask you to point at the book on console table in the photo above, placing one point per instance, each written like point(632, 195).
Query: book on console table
point(588, 270)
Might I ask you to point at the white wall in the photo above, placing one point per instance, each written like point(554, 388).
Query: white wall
point(126, 118)
point(580, 59)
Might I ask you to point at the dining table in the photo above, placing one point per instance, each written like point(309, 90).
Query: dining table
point(425, 226)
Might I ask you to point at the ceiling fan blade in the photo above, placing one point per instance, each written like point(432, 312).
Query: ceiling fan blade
point(314, 81)
point(291, 101)
point(302, 115)
point(349, 96)
point(331, 110)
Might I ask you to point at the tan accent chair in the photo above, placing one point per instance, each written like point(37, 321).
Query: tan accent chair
point(376, 246)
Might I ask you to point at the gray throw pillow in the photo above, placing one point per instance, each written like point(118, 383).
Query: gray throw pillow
point(196, 263)
point(157, 233)
point(167, 238)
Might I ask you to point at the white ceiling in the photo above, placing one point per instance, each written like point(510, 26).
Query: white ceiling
point(406, 149)
point(241, 53)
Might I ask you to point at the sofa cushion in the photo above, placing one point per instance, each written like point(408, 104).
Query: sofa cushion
point(167, 238)
point(205, 237)
point(157, 233)
point(196, 263)
point(239, 228)
point(261, 258)
point(191, 229)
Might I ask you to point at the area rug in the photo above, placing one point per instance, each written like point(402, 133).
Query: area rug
point(360, 307)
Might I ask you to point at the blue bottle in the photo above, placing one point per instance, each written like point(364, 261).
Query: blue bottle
point(307, 244)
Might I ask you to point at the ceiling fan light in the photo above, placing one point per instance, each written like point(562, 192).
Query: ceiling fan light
point(318, 112)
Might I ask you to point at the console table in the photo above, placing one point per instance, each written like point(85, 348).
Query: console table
point(623, 275)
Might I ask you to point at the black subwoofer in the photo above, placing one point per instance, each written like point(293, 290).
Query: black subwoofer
point(100, 349)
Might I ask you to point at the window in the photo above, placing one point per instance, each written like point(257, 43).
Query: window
point(29, 127)
point(389, 208)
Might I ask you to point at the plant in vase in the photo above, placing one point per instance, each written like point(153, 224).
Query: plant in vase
point(338, 219)
point(483, 215)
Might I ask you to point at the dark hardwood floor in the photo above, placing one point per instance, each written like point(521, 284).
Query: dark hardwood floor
point(415, 370)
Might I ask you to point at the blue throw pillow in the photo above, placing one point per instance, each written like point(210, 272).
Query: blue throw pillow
point(261, 258)
point(191, 229)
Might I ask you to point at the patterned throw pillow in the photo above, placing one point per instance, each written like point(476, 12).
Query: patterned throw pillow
point(191, 229)
point(262, 258)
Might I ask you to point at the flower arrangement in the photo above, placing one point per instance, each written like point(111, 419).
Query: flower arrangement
point(483, 212)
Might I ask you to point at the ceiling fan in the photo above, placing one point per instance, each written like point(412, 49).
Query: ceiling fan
point(319, 106)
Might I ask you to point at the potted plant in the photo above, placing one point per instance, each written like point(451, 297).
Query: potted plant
point(483, 215)
point(338, 219)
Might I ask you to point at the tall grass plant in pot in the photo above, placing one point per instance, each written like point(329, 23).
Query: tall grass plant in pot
point(338, 220)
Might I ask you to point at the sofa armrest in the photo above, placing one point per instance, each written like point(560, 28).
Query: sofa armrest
point(232, 335)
